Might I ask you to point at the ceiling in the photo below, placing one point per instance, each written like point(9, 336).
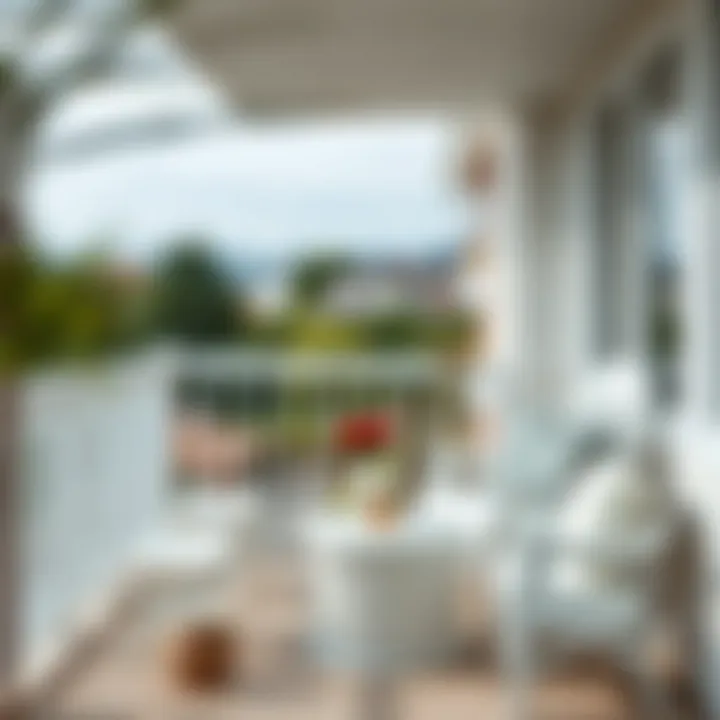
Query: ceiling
point(280, 56)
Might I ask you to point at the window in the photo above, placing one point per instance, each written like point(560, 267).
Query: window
point(666, 151)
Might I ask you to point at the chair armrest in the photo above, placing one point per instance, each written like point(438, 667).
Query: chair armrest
point(640, 553)
point(636, 549)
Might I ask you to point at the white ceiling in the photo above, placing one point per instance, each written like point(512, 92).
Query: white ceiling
point(289, 55)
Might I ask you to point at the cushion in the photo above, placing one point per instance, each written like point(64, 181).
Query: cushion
point(613, 500)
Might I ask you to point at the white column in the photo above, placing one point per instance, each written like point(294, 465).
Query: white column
point(702, 223)
point(560, 250)
point(699, 444)
point(542, 266)
point(633, 230)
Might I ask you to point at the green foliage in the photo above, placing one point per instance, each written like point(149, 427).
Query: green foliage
point(272, 332)
point(315, 276)
point(395, 331)
point(401, 331)
point(18, 278)
point(53, 312)
point(407, 331)
point(72, 313)
point(316, 332)
point(666, 332)
point(193, 302)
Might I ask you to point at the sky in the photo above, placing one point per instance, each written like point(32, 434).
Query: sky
point(274, 190)
point(371, 182)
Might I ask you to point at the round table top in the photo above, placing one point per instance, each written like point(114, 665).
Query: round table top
point(448, 519)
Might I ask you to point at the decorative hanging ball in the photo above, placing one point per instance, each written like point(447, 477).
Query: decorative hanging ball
point(203, 656)
point(479, 168)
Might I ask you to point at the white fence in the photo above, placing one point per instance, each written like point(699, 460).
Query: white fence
point(94, 478)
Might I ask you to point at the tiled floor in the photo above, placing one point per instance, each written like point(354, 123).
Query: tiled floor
point(127, 679)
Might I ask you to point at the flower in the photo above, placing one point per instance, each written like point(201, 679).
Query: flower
point(363, 433)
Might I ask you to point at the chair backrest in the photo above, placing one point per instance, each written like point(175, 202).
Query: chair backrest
point(620, 501)
point(531, 466)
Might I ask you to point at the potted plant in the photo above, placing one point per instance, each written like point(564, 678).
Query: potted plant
point(368, 467)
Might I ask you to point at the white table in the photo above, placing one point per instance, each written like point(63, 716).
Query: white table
point(465, 517)
point(383, 599)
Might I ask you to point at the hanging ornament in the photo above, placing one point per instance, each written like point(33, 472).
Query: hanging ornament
point(479, 171)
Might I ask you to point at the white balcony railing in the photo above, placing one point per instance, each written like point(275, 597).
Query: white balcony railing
point(98, 473)
point(94, 475)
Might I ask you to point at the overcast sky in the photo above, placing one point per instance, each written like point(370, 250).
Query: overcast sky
point(372, 183)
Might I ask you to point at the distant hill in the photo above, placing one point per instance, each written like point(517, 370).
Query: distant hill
point(253, 269)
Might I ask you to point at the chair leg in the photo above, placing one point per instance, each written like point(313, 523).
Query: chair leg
point(519, 669)
point(517, 642)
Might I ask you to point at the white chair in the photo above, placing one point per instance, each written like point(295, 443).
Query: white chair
point(614, 395)
point(465, 517)
point(588, 579)
point(531, 472)
point(536, 466)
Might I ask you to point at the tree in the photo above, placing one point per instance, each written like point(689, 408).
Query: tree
point(194, 302)
point(315, 276)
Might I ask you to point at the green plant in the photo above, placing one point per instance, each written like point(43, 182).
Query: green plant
point(52, 311)
point(192, 300)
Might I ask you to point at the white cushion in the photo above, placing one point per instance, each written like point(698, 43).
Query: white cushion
point(614, 500)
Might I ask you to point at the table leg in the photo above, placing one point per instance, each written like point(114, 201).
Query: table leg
point(378, 697)
point(515, 637)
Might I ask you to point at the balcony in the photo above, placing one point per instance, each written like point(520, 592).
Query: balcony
point(153, 535)
point(116, 551)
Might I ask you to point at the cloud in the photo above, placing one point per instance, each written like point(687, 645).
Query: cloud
point(272, 190)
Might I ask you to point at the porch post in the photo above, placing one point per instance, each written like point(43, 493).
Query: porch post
point(632, 228)
point(699, 443)
point(542, 280)
point(562, 246)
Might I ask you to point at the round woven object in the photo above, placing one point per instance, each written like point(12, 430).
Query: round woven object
point(203, 656)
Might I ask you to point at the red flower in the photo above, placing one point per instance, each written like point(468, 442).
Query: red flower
point(365, 433)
